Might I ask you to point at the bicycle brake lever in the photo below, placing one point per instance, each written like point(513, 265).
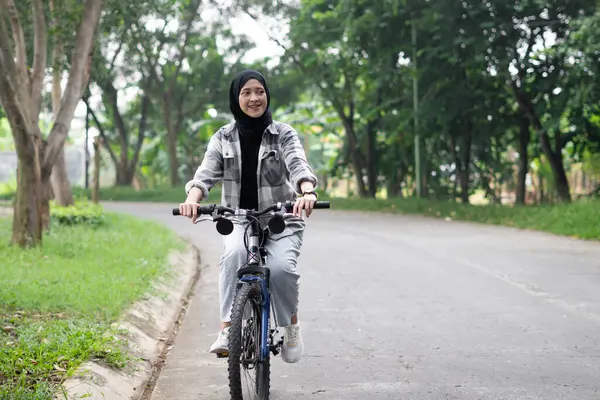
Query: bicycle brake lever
point(201, 218)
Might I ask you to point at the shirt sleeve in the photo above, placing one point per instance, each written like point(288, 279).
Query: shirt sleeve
point(210, 170)
point(295, 159)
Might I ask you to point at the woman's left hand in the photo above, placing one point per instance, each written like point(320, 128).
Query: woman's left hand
point(307, 203)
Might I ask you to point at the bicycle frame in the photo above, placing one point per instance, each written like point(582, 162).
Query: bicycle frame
point(246, 274)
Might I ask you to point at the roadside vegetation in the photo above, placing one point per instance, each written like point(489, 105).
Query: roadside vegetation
point(58, 300)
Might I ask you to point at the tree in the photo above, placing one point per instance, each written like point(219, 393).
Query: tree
point(21, 99)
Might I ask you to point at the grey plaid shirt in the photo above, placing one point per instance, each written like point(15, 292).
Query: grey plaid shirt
point(282, 167)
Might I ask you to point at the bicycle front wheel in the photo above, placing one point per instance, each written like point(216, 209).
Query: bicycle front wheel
point(248, 375)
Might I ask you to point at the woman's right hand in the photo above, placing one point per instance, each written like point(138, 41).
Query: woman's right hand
point(189, 209)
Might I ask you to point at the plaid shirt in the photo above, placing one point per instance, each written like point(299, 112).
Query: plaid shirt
point(282, 167)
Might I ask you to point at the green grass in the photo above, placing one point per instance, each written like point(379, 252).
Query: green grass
point(162, 194)
point(578, 219)
point(58, 301)
point(126, 193)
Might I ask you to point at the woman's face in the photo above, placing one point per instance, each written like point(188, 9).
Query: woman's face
point(253, 98)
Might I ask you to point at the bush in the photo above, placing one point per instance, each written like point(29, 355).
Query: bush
point(83, 212)
point(8, 189)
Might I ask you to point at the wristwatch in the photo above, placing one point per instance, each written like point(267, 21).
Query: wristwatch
point(311, 192)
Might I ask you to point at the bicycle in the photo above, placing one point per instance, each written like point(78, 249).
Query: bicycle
point(251, 347)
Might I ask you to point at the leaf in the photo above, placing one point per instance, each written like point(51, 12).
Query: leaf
point(59, 368)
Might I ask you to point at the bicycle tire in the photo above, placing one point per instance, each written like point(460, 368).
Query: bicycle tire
point(247, 292)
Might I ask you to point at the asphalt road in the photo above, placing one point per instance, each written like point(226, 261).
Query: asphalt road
point(396, 307)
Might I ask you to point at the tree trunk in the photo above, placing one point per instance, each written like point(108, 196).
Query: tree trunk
point(173, 126)
point(96, 180)
point(541, 197)
point(372, 170)
point(394, 183)
point(462, 160)
point(172, 154)
point(63, 195)
point(466, 163)
point(455, 188)
point(59, 180)
point(357, 160)
point(371, 161)
point(524, 138)
point(21, 97)
point(554, 155)
point(556, 164)
point(27, 222)
point(426, 165)
point(124, 176)
point(47, 195)
point(464, 185)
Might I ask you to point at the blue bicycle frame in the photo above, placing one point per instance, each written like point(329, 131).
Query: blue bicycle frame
point(255, 271)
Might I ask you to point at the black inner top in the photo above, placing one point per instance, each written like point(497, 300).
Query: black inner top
point(250, 146)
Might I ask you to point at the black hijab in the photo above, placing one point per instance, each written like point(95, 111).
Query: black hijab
point(246, 123)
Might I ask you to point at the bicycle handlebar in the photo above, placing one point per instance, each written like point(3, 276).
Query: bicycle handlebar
point(220, 210)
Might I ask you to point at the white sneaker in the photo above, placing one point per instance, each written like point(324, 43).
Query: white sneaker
point(293, 346)
point(221, 345)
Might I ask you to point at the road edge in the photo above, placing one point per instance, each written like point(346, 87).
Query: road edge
point(150, 325)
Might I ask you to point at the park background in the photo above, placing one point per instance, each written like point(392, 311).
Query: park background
point(486, 111)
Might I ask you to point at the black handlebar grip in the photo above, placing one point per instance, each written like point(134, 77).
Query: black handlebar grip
point(201, 210)
point(322, 204)
point(205, 210)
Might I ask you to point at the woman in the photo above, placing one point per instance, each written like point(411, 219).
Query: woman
point(260, 162)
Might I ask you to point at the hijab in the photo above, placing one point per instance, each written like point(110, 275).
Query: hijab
point(245, 123)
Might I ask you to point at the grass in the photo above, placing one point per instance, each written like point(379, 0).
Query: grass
point(57, 302)
point(161, 194)
point(578, 219)
point(126, 193)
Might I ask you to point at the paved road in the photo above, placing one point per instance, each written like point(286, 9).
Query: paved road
point(397, 307)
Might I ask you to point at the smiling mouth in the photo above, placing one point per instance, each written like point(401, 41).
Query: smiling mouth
point(256, 107)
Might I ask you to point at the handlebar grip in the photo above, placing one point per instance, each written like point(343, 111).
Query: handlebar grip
point(201, 210)
point(322, 204)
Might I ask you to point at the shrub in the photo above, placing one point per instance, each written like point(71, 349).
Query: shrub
point(83, 212)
